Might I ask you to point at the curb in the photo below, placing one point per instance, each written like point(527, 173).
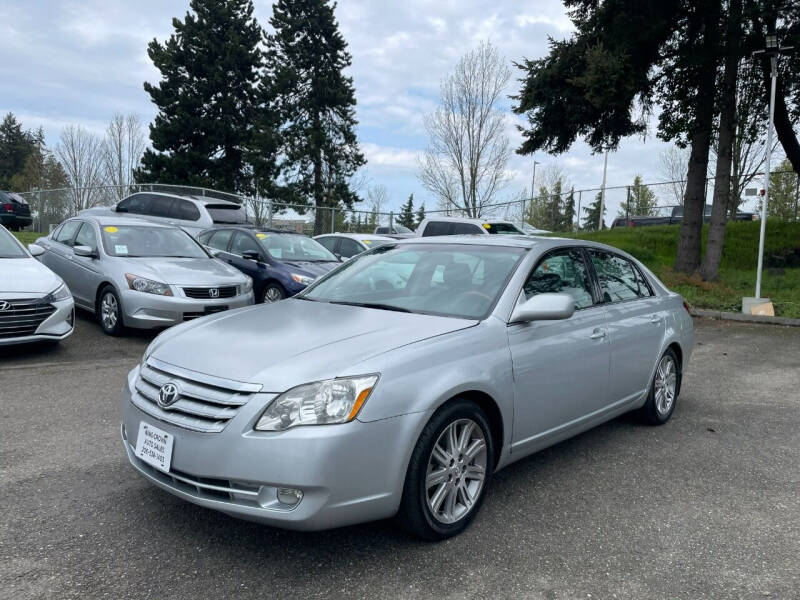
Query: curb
point(742, 318)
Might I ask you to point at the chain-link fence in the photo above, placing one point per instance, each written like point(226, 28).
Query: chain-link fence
point(544, 211)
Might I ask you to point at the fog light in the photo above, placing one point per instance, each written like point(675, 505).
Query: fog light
point(289, 496)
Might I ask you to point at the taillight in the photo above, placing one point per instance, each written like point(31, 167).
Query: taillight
point(686, 306)
point(9, 207)
point(630, 223)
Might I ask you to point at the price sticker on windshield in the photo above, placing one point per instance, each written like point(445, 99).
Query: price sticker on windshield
point(110, 229)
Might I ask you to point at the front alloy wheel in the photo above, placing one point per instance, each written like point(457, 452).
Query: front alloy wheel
point(449, 472)
point(273, 293)
point(110, 312)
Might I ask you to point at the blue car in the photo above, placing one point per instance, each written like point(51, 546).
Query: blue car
point(280, 263)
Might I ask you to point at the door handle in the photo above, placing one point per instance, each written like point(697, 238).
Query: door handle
point(598, 334)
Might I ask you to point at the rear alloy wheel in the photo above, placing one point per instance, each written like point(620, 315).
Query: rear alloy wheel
point(274, 292)
point(449, 471)
point(110, 312)
point(664, 390)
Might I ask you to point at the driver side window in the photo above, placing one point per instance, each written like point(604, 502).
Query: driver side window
point(562, 271)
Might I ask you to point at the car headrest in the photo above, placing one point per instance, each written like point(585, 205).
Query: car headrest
point(457, 274)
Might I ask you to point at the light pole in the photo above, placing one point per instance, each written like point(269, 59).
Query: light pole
point(603, 193)
point(773, 50)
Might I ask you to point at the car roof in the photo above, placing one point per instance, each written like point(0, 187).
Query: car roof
point(103, 220)
point(357, 236)
point(542, 243)
point(252, 229)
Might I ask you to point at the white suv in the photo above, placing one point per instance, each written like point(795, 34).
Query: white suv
point(465, 226)
point(193, 214)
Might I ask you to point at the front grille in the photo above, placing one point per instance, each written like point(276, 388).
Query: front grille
point(206, 403)
point(23, 317)
point(228, 291)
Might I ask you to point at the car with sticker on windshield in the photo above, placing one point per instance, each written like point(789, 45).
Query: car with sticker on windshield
point(280, 263)
point(347, 245)
point(131, 273)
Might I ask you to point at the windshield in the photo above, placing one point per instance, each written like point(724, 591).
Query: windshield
point(9, 247)
point(452, 280)
point(138, 241)
point(289, 246)
point(402, 229)
point(503, 228)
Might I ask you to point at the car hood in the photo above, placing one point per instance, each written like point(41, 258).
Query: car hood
point(185, 271)
point(26, 276)
point(294, 341)
point(314, 269)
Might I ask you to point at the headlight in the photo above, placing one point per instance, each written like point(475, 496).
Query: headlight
point(302, 279)
point(319, 403)
point(148, 286)
point(60, 293)
point(247, 287)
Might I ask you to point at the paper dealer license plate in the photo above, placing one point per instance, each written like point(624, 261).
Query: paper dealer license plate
point(154, 446)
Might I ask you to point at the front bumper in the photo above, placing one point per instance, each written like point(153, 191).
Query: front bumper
point(147, 311)
point(348, 473)
point(56, 327)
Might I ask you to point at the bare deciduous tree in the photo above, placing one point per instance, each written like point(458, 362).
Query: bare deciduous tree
point(81, 154)
point(122, 152)
point(673, 164)
point(377, 197)
point(464, 165)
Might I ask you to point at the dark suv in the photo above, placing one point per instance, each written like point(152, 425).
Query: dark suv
point(14, 211)
point(280, 263)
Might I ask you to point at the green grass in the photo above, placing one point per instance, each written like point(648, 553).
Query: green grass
point(656, 247)
point(27, 237)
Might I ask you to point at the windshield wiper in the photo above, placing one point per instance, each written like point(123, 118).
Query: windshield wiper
point(377, 305)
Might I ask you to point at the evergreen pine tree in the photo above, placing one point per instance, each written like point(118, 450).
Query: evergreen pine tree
point(206, 98)
point(420, 215)
point(406, 216)
point(593, 214)
point(15, 146)
point(569, 211)
point(306, 59)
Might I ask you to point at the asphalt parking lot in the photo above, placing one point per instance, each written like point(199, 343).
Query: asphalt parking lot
point(707, 506)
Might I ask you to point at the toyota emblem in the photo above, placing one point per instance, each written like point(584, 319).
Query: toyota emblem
point(4, 305)
point(168, 395)
point(213, 293)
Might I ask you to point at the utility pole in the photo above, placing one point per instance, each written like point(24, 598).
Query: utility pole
point(603, 193)
point(772, 51)
point(580, 194)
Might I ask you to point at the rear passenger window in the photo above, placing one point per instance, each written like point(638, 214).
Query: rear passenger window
point(135, 205)
point(220, 239)
point(436, 228)
point(562, 271)
point(464, 229)
point(185, 211)
point(160, 206)
point(67, 232)
point(619, 279)
point(348, 248)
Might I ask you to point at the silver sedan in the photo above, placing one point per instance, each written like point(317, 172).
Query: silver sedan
point(401, 381)
point(137, 274)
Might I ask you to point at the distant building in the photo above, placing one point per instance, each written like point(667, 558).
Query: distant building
point(296, 225)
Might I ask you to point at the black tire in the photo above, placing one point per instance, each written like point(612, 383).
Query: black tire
point(110, 326)
point(653, 412)
point(275, 290)
point(415, 514)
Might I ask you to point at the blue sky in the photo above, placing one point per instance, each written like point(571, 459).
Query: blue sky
point(80, 62)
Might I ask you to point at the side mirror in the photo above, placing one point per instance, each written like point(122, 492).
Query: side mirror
point(544, 307)
point(251, 255)
point(212, 251)
point(84, 251)
point(35, 250)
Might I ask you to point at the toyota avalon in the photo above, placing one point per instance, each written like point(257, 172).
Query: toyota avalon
point(138, 274)
point(397, 384)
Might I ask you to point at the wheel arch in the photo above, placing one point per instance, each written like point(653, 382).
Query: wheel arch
point(100, 287)
point(492, 411)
